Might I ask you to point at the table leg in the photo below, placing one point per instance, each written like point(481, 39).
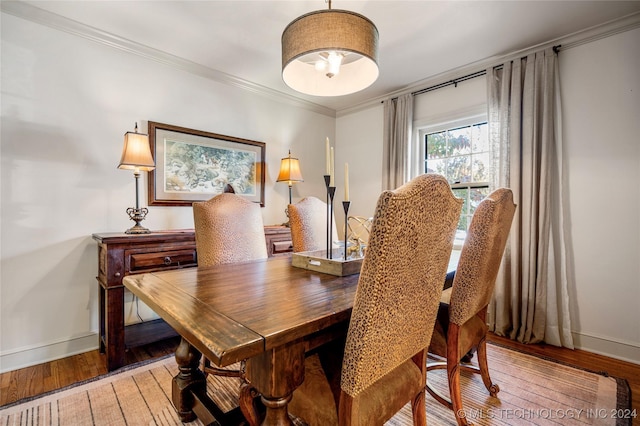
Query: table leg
point(189, 379)
point(277, 413)
point(276, 373)
point(249, 401)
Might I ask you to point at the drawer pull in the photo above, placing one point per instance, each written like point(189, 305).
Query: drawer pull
point(167, 260)
point(117, 274)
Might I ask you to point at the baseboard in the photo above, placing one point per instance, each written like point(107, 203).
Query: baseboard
point(624, 351)
point(28, 356)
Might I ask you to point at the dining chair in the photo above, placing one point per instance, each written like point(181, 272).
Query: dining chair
point(308, 223)
point(229, 229)
point(461, 324)
point(384, 354)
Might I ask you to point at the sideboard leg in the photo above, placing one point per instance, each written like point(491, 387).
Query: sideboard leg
point(114, 327)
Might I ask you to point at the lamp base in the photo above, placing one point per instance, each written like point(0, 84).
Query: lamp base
point(137, 229)
point(286, 212)
point(137, 215)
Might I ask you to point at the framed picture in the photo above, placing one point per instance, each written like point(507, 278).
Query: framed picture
point(192, 165)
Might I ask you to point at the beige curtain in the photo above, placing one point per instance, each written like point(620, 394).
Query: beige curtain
point(531, 300)
point(397, 141)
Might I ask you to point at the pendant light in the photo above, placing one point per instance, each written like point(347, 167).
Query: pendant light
point(330, 53)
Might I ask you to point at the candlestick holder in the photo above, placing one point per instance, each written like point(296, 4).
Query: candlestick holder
point(331, 192)
point(345, 205)
point(327, 181)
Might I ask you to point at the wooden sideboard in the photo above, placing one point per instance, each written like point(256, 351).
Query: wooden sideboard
point(121, 254)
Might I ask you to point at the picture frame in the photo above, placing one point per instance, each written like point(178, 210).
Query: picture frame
point(194, 165)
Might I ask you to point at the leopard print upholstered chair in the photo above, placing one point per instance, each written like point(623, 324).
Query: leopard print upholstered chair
point(308, 223)
point(461, 325)
point(228, 228)
point(384, 356)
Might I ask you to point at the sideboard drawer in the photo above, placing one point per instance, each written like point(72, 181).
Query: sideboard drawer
point(278, 240)
point(281, 247)
point(142, 262)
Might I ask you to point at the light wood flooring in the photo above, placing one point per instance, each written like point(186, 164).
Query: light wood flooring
point(30, 381)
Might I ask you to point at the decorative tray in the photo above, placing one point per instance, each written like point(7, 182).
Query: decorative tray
point(317, 261)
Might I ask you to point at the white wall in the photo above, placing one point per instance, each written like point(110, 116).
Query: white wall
point(359, 143)
point(600, 84)
point(66, 104)
point(601, 111)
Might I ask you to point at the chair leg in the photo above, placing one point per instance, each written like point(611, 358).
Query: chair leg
point(418, 404)
point(453, 375)
point(419, 410)
point(484, 368)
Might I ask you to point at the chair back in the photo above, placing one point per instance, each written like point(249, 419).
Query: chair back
point(308, 223)
point(228, 228)
point(481, 255)
point(401, 279)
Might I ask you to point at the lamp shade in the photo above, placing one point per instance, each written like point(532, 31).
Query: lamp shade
point(330, 53)
point(290, 170)
point(136, 152)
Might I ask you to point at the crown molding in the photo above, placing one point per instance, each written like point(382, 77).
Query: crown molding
point(569, 41)
point(40, 16)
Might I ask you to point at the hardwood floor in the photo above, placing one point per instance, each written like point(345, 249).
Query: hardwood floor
point(587, 360)
point(31, 381)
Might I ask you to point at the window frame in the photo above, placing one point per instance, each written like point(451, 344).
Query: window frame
point(457, 120)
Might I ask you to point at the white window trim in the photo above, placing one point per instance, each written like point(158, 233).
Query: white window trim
point(439, 122)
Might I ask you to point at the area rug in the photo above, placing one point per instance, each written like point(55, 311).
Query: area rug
point(532, 391)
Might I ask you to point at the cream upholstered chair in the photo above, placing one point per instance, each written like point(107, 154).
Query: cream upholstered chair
point(229, 229)
point(461, 324)
point(384, 364)
point(308, 223)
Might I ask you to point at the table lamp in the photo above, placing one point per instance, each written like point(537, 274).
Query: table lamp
point(136, 156)
point(290, 172)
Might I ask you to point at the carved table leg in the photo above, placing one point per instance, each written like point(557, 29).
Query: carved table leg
point(189, 378)
point(277, 413)
point(251, 409)
point(276, 373)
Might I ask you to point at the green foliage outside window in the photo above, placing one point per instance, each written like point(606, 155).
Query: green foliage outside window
point(462, 156)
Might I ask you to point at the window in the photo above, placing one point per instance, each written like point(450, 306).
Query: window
point(461, 154)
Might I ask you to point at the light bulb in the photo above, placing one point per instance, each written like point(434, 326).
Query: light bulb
point(335, 60)
point(320, 65)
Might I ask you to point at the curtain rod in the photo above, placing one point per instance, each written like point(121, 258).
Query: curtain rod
point(455, 81)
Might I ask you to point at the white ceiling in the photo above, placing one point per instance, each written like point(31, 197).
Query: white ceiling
point(418, 39)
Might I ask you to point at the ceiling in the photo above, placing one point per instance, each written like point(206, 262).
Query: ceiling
point(418, 39)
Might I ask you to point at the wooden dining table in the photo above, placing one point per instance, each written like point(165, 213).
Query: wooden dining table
point(265, 313)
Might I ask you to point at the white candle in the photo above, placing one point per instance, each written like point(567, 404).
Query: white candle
point(332, 169)
point(346, 181)
point(327, 154)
